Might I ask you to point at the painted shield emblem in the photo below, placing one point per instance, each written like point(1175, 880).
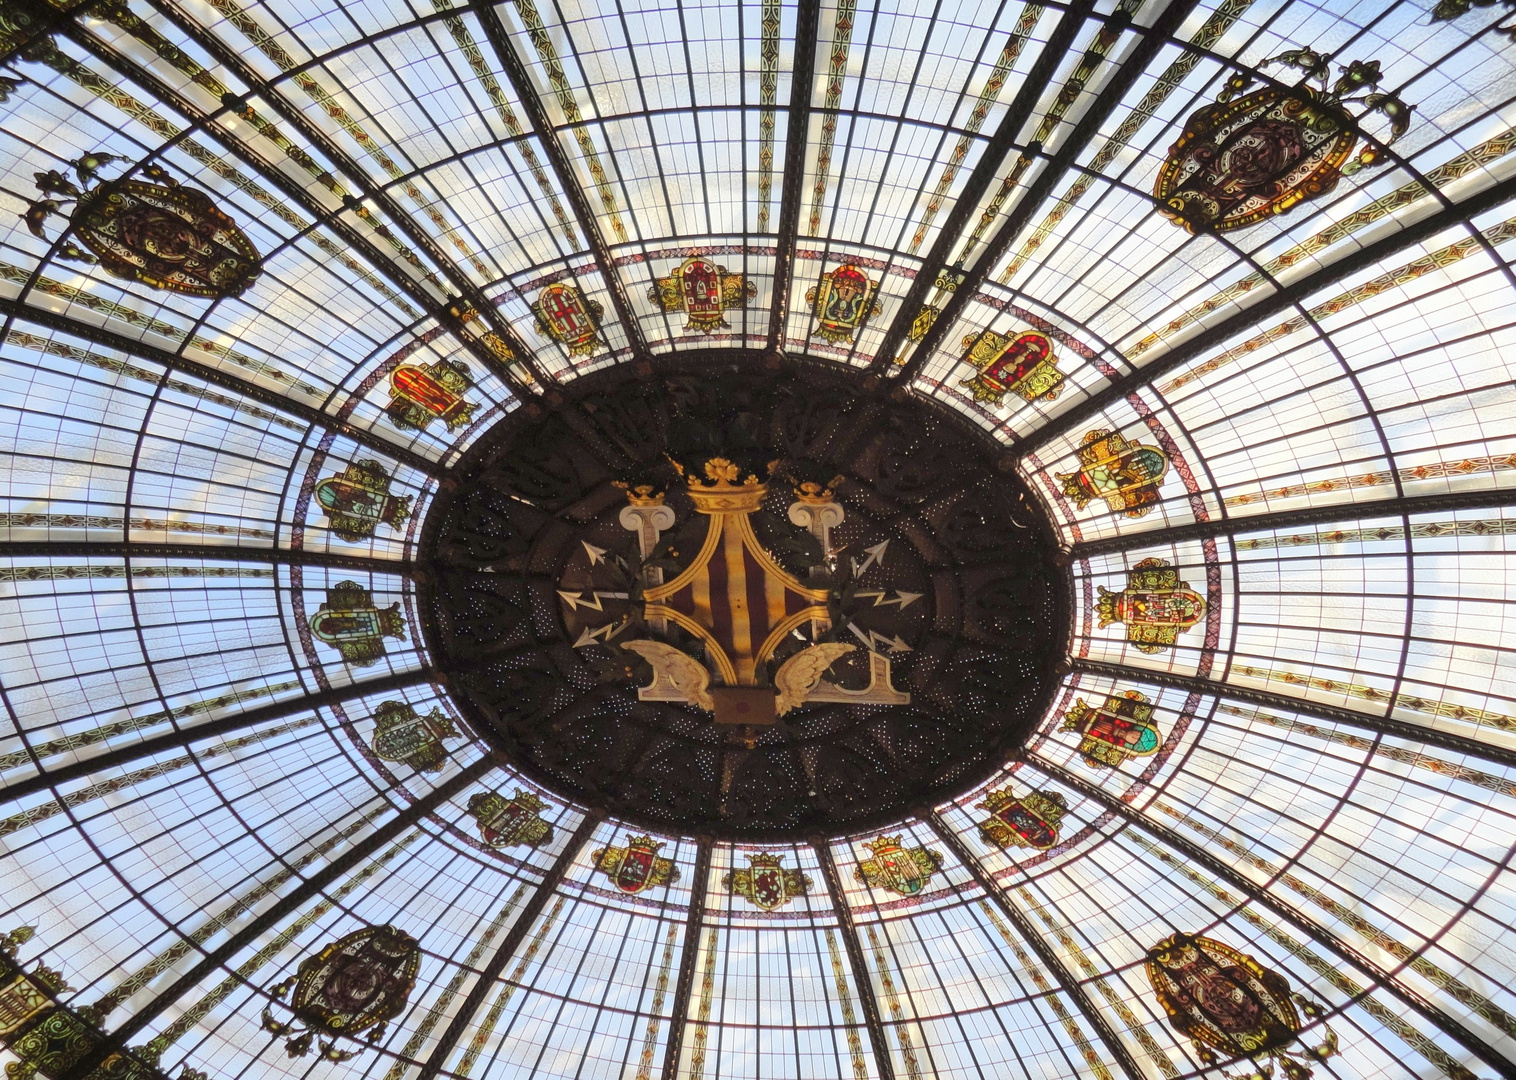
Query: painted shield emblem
point(703, 290)
point(842, 303)
point(420, 394)
point(1122, 728)
point(1155, 607)
point(350, 623)
point(1231, 1006)
point(1023, 365)
point(766, 884)
point(402, 734)
point(569, 319)
point(1031, 821)
point(1126, 475)
point(637, 866)
point(353, 986)
point(506, 822)
point(904, 871)
point(357, 501)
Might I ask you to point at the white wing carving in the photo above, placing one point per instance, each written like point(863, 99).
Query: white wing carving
point(799, 675)
point(672, 668)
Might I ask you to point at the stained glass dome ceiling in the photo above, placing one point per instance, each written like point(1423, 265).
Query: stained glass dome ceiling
point(1214, 296)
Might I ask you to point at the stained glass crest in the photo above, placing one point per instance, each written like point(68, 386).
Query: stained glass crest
point(1127, 475)
point(893, 868)
point(1155, 607)
point(766, 883)
point(637, 866)
point(357, 501)
point(703, 290)
point(509, 822)
point(842, 303)
point(402, 734)
point(1111, 733)
point(1031, 820)
point(350, 622)
point(1023, 365)
point(422, 393)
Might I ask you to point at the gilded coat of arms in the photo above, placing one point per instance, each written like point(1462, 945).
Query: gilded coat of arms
point(703, 290)
point(1233, 1007)
point(422, 393)
point(637, 866)
point(766, 884)
point(1126, 475)
point(1029, 821)
point(1155, 607)
point(350, 623)
point(508, 822)
point(1023, 365)
point(842, 303)
point(402, 734)
point(357, 501)
point(569, 319)
point(896, 869)
point(1122, 728)
point(1248, 157)
point(353, 987)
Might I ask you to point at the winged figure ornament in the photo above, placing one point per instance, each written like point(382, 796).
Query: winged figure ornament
point(798, 675)
point(677, 670)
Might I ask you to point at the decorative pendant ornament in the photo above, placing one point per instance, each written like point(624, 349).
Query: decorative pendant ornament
point(508, 822)
point(704, 291)
point(1030, 821)
point(350, 623)
point(1126, 475)
point(358, 501)
point(402, 734)
point(766, 884)
point(1156, 607)
point(1232, 1007)
point(422, 393)
point(354, 986)
point(842, 303)
point(1247, 158)
point(569, 319)
point(637, 866)
point(1023, 365)
point(1122, 728)
point(903, 871)
point(153, 231)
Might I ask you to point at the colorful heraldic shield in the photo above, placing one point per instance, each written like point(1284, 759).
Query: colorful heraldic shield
point(1126, 475)
point(569, 319)
point(1023, 365)
point(703, 290)
point(903, 871)
point(402, 734)
point(1030, 821)
point(350, 623)
point(1122, 728)
point(637, 866)
point(422, 393)
point(1248, 157)
point(766, 884)
point(1155, 607)
point(510, 822)
point(47, 1037)
point(1232, 1007)
point(357, 501)
point(353, 987)
point(842, 303)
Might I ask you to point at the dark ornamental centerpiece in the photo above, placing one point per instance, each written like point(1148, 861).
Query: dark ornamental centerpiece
point(1155, 607)
point(402, 734)
point(636, 867)
point(1233, 1008)
point(1125, 474)
point(1120, 729)
point(842, 303)
point(1030, 821)
point(152, 230)
point(703, 291)
point(423, 393)
point(357, 501)
point(1253, 155)
point(570, 319)
point(511, 822)
point(352, 624)
point(900, 870)
point(766, 884)
point(353, 987)
point(1023, 365)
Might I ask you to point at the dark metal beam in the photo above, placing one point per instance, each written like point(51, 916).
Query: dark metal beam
point(685, 986)
point(1086, 128)
point(215, 960)
point(489, 978)
point(1349, 263)
point(1377, 724)
point(520, 78)
point(1049, 959)
point(211, 729)
point(985, 170)
point(1410, 505)
point(231, 60)
point(84, 549)
point(110, 339)
point(796, 142)
point(862, 981)
point(1202, 860)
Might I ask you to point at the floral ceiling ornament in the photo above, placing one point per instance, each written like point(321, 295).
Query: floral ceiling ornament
point(154, 231)
point(703, 291)
point(1155, 607)
point(353, 987)
point(357, 501)
point(1248, 157)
